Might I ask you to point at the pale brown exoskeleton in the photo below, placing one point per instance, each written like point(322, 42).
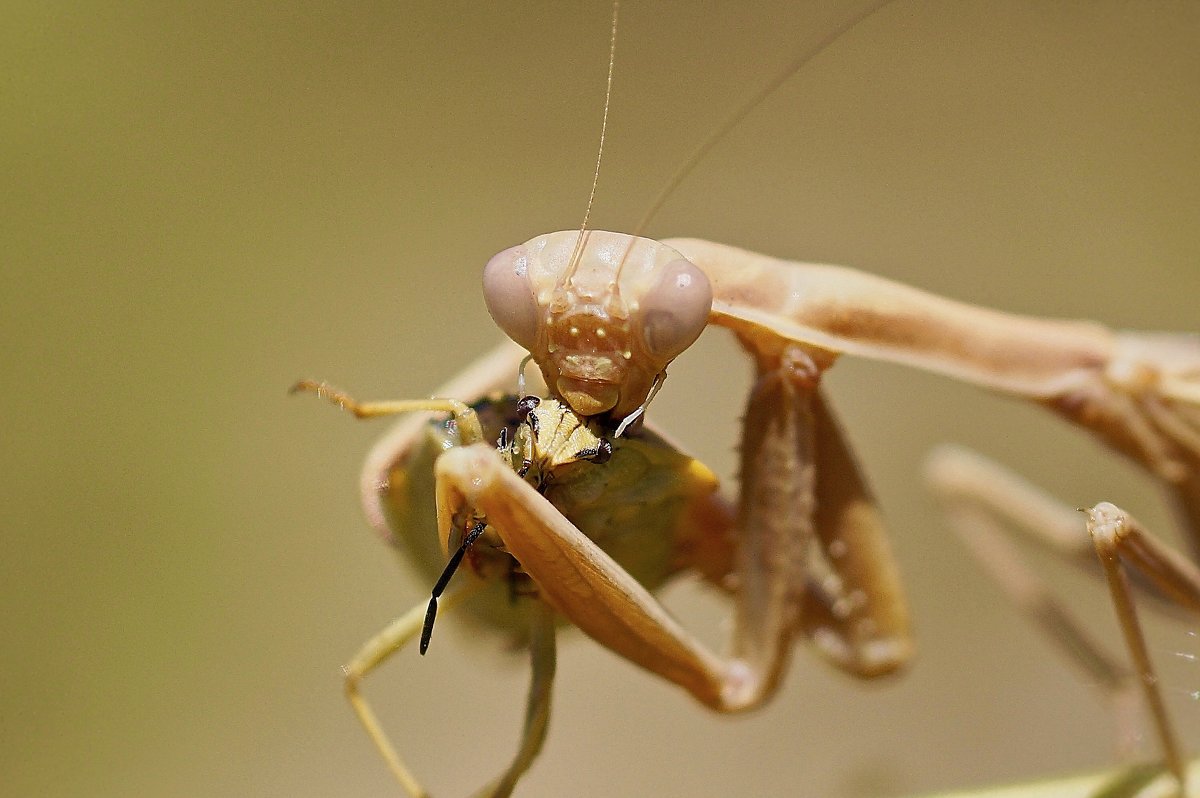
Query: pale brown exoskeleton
point(1138, 393)
point(579, 511)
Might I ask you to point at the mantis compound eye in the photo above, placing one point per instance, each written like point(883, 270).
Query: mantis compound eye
point(675, 311)
point(509, 296)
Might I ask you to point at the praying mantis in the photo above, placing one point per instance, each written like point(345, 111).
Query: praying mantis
point(1090, 363)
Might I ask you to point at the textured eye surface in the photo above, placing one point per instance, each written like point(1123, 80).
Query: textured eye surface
point(675, 310)
point(509, 295)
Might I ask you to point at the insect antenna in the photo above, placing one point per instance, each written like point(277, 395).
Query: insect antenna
point(720, 132)
point(741, 112)
point(587, 213)
point(443, 580)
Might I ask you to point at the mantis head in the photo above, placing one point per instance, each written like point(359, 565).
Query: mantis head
point(602, 315)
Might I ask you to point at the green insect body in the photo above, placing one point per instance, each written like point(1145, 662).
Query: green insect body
point(645, 506)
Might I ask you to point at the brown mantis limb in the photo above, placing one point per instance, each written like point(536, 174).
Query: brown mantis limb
point(1119, 538)
point(812, 552)
point(835, 582)
point(977, 493)
point(579, 579)
point(856, 612)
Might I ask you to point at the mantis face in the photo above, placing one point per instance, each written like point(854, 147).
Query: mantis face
point(602, 317)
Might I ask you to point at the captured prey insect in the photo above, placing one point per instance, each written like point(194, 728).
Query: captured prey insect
point(553, 492)
point(801, 551)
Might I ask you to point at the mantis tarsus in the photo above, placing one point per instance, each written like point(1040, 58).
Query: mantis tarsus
point(1089, 346)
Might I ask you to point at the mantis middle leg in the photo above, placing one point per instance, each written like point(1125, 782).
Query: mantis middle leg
point(977, 493)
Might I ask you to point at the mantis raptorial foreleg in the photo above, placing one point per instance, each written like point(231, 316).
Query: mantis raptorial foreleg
point(579, 579)
point(796, 570)
point(812, 552)
point(858, 616)
point(977, 494)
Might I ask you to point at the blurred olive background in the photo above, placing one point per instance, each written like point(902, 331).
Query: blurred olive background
point(203, 203)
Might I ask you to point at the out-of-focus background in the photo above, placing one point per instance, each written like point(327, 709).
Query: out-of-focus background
point(203, 203)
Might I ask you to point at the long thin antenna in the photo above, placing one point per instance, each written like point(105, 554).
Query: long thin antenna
point(744, 110)
point(612, 58)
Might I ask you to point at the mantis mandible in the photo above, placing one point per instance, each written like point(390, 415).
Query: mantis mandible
point(603, 316)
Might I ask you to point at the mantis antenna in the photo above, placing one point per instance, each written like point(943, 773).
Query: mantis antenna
point(702, 150)
point(742, 111)
point(587, 213)
point(566, 278)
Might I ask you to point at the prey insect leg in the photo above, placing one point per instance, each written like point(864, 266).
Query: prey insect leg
point(373, 654)
point(543, 659)
point(464, 416)
point(400, 632)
